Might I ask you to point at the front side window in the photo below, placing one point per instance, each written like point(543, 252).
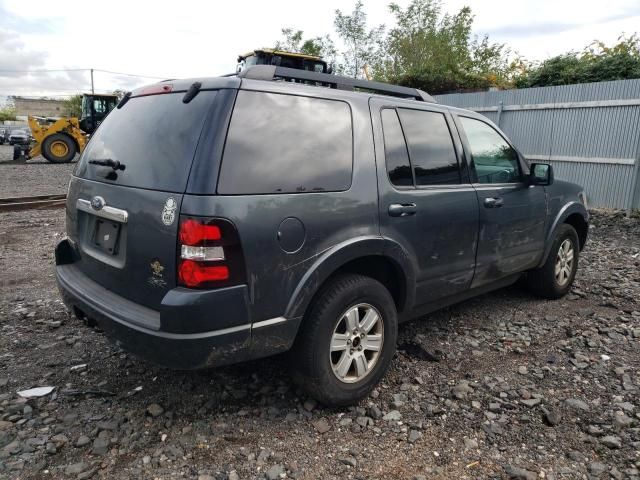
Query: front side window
point(431, 149)
point(287, 144)
point(494, 160)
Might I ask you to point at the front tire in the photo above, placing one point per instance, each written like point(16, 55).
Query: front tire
point(554, 279)
point(347, 340)
point(59, 148)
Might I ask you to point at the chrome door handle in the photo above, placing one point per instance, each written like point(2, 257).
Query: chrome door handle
point(493, 202)
point(402, 209)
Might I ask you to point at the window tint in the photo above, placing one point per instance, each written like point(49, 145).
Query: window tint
point(285, 144)
point(494, 159)
point(430, 147)
point(395, 150)
point(154, 137)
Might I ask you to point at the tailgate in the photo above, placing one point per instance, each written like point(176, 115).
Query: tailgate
point(128, 245)
point(124, 199)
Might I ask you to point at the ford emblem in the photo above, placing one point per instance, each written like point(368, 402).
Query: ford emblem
point(97, 203)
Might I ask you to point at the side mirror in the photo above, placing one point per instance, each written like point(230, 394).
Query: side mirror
point(541, 174)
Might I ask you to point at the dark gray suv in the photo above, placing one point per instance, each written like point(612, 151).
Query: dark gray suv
point(218, 220)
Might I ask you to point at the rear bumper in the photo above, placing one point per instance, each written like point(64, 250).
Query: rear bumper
point(140, 330)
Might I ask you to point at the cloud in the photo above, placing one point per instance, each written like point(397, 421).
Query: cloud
point(27, 25)
point(15, 56)
point(533, 29)
point(21, 73)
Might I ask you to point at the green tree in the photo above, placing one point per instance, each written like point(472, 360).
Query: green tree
point(119, 93)
point(596, 63)
point(362, 46)
point(294, 41)
point(7, 113)
point(72, 106)
point(437, 52)
point(291, 41)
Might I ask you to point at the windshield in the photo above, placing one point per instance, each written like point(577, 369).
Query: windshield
point(153, 137)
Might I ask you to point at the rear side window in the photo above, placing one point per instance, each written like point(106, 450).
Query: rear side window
point(395, 150)
point(154, 137)
point(430, 147)
point(287, 144)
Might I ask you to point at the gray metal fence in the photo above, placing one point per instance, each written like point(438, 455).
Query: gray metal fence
point(590, 133)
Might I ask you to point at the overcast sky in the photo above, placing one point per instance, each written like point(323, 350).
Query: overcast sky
point(203, 38)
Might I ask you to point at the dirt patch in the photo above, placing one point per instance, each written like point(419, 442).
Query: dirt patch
point(522, 388)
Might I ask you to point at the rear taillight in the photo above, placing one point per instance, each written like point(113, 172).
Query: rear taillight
point(209, 254)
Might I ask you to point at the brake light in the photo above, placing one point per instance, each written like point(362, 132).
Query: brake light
point(193, 232)
point(209, 253)
point(155, 89)
point(193, 274)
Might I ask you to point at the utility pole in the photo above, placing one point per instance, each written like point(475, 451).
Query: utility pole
point(92, 90)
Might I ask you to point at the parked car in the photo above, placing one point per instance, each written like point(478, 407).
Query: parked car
point(19, 137)
point(215, 221)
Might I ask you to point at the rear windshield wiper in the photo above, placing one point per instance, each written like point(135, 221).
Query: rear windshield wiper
point(107, 162)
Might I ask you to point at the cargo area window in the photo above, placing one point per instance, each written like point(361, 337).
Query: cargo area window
point(287, 144)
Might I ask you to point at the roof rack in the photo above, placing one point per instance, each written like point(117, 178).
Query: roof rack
point(272, 72)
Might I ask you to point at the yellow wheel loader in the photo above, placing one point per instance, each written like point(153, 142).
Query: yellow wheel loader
point(59, 140)
point(280, 58)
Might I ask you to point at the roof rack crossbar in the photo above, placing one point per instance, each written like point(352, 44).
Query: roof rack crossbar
point(272, 72)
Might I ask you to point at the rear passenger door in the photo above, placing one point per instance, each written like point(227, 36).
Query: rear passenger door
point(512, 212)
point(427, 203)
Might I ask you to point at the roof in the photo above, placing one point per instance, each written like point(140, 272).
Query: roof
point(280, 52)
point(271, 72)
point(303, 79)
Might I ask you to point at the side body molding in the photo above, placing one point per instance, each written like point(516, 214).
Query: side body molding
point(568, 209)
point(339, 255)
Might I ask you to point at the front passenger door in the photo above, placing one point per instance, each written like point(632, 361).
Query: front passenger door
point(512, 212)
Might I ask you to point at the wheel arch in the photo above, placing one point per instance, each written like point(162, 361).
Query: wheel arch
point(574, 214)
point(375, 257)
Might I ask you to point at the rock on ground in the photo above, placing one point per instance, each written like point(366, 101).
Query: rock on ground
point(473, 413)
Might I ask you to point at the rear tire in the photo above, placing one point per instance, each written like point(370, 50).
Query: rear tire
point(346, 341)
point(554, 279)
point(59, 148)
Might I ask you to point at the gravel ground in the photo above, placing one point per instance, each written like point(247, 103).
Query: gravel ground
point(35, 177)
point(501, 386)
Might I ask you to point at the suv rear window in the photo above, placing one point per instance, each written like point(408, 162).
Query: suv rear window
point(154, 137)
point(287, 144)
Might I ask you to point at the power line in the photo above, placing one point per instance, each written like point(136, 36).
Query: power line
point(130, 74)
point(45, 70)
